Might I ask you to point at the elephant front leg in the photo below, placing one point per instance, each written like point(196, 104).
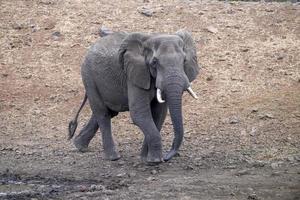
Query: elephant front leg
point(152, 146)
point(159, 112)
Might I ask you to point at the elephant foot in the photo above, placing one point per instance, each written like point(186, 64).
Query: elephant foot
point(153, 158)
point(112, 155)
point(80, 146)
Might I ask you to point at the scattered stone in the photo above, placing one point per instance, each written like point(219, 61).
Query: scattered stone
point(266, 116)
point(252, 197)
point(28, 76)
point(189, 167)
point(234, 78)
point(209, 78)
point(269, 10)
point(5, 74)
point(254, 110)
point(258, 164)
point(277, 173)
point(56, 35)
point(121, 162)
point(276, 165)
point(132, 174)
point(234, 120)
point(36, 112)
point(121, 174)
point(17, 26)
point(104, 31)
point(252, 132)
point(96, 187)
point(150, 178)
point(243, 172)
point(245, 49)
point(49, 25)
point(230, 167)
point(154, 171)
point(212, 29)
point(146, 11)
point(291, 158)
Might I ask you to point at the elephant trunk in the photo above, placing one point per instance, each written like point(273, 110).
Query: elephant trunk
point(173, 94)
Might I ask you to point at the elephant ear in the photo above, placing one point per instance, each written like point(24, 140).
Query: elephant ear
point(191, 66)
point(132, 60)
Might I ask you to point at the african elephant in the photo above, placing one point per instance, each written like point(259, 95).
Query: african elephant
point(142, 73)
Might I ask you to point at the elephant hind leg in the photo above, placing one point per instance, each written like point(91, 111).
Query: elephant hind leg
point(110, 150)
point(86, 134)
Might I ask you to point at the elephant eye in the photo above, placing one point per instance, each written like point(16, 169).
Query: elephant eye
point(154, 62)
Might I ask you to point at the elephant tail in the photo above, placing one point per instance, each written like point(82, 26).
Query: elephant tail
point(73, 124)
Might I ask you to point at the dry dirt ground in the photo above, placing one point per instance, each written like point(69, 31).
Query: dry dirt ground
point(242, 136)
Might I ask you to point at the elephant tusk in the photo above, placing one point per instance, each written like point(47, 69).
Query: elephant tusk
point(158, 96)
point(192, 93)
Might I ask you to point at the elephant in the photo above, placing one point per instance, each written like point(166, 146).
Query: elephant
point(145, 74)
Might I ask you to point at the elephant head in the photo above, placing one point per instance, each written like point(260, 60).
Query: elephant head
point(171, 61)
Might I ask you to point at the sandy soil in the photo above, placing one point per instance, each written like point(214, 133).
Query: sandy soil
point(242, 136)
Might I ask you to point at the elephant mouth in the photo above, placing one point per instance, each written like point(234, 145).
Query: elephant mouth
point(161, 100)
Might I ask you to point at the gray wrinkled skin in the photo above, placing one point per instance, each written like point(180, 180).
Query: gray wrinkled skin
point(121, 72)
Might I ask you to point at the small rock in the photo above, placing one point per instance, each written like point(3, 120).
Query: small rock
point(121, 162)
point(209, 78)
point(17, 26)
point(96, 187)
point(28, 76)
point(150, 178)
point(243, 172)
point(5, 74)
point(121, 174)
point(154, 172)
point(82, 188)
point(145, 11)
point(266, 116)
point(132, 174)
point(56, 35)
point(254, 110)
point(269, 10)
point(212, 29)
point(36, 112)
point(252, 197)
point(276, 165)
point(258, 164)
point(234, 120)
point(291, 158)
point(103, 31)
point(49, 25)
point(252, 132)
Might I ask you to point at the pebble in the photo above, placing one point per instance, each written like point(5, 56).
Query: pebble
point(212, 29)
point(154, 172)
point(258, 164)
point(276, 165)
point(234, 120)
point(252, 197)
point(145, 11)
point(104, 31)
point(121, 174)
point(209, 78)
point(266, 116)
point(56, 35)
point(150, 178)
point(243, 172)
